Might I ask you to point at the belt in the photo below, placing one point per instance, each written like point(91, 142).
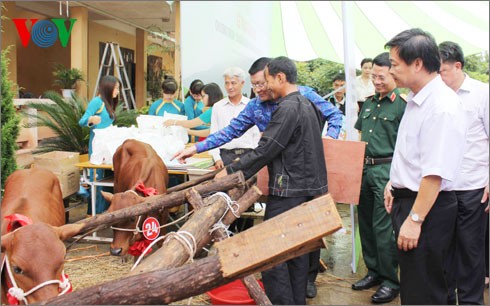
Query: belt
point(403, 193)
point(237, 151)
point(377, 161)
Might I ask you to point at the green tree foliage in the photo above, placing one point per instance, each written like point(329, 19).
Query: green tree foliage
point(477, 66)
point(62, 118)
point(10, 122)
point(318, 74)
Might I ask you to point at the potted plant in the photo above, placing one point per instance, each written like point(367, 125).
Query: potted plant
point(67, 79)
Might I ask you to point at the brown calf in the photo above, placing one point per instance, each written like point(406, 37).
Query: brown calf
point(134, 163)
point(32, 232)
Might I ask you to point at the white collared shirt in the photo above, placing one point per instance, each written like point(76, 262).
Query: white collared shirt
point(474, 169)
point(431, 138)
point(223, 112)
point(363, 90)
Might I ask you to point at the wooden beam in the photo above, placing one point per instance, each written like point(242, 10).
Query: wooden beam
point(158, 203)
point(288, 232)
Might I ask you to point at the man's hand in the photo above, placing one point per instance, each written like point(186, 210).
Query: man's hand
point(388, 197)
point(186, 153)
point(484, 198)
point(409, 235)
point(219, 164)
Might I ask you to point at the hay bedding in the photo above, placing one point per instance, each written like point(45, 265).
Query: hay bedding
point(90, 264)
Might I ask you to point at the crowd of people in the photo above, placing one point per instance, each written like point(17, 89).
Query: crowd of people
point(423, 207)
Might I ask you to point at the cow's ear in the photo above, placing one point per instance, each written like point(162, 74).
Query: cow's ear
point(6, 239)
point(107, 195)
point(67, 231)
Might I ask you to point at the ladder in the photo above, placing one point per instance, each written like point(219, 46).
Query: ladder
point(107, 63)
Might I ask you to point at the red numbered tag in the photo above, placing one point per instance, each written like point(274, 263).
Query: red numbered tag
point(151, 228)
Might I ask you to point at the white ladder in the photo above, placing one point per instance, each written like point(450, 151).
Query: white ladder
point(107, 63)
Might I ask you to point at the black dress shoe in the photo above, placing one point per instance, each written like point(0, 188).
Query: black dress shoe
point(367, 282)
point(311, 290)
point(384, 295)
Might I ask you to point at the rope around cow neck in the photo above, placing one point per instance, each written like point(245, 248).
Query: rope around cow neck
point(18, 293)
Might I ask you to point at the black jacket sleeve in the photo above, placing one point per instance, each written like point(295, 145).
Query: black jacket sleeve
point(273, 141)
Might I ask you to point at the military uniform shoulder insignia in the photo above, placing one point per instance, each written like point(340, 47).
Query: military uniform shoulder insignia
point(393, 97)
point(403, 97)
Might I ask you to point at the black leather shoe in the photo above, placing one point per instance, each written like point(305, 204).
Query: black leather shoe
point(310, 290)
point(384, 295)
point(367, 282)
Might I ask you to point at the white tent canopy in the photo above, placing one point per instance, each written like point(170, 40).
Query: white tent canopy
point(314, 29)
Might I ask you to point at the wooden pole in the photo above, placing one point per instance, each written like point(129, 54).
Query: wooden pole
point(306, 225)
point(173, 253)
point(159, 202)
point(194, 182)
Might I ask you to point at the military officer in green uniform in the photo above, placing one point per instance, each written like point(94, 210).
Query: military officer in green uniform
point(378, 123)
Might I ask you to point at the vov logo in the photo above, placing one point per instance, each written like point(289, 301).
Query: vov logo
point(44, 33)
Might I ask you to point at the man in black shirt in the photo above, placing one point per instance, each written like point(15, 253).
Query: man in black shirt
point(292, 148)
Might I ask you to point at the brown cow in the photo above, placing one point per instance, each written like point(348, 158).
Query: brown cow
point(134, 162)
point(34, 252)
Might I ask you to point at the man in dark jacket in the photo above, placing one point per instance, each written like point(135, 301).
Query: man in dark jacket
point(291, 147)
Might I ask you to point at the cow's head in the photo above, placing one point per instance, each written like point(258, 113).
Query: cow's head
point(36, 255)
point(123, 239)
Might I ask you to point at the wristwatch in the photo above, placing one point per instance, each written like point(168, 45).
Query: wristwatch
point(415, 217)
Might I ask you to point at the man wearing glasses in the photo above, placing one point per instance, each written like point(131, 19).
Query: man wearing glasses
point(258, 112)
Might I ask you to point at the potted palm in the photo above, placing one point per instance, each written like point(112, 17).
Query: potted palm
point(67, 79)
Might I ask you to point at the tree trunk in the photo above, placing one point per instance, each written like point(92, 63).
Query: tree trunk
point(165, 286)
point(159, 202)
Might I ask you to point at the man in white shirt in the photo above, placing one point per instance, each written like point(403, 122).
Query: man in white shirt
point(466, 261)
point(227, 109)
point(426, 163)
point(223, 111)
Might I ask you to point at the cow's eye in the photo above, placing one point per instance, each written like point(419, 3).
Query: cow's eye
point(17, 270)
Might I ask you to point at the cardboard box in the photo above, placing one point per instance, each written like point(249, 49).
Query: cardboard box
point(62, 164)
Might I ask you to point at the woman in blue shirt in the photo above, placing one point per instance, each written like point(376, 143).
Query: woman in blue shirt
point(211, 93)
point(193, 104)
point(100, 113)
point(168, 103)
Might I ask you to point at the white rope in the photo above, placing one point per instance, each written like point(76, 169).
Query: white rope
point(229, 202)
point(179, 236)
point(19, 294)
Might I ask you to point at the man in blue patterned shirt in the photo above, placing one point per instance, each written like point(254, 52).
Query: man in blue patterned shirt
point(259, 112)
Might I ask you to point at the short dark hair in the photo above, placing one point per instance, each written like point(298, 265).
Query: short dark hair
point(451, 52)
point(416, 43)
point(169, 86)
point(259, 65)
point(284, 65)
point(214, 93)
point(195, 88)
point(339, 77)
point(366, 60)
point(382, 60)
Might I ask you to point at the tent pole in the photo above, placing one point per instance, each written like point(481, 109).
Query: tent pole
point(351, 104)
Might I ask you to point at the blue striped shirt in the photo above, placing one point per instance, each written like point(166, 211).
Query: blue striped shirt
point(259, 113)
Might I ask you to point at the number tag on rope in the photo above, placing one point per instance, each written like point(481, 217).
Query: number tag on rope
point(151, 228)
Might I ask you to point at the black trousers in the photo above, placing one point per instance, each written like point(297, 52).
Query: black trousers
point(466, 259)
point(314, 266)
point(422, 278)
point(285, 284)
point(228, 156)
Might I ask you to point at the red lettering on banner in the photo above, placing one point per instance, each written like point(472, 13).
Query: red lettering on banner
point(24, 34)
